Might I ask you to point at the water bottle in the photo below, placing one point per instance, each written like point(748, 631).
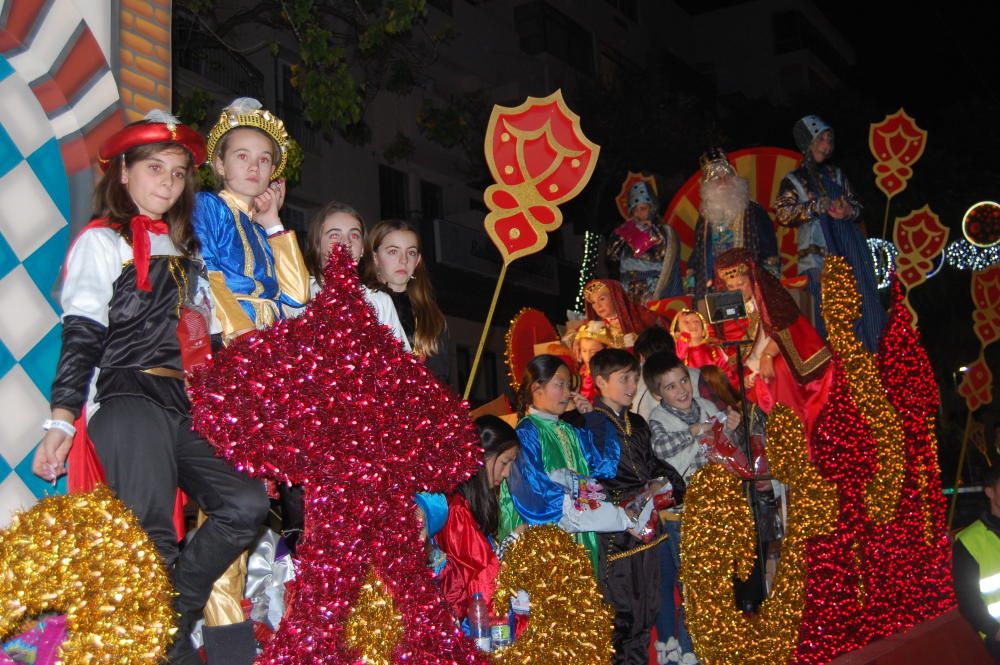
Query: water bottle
point(479, 622)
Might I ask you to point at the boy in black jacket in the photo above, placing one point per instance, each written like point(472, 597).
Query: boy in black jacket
point(630, 568)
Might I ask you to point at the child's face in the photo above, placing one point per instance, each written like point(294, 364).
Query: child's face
point(247, 164)
point(498, 467)
point(674, 388)
point(691, 324)
point(342, 229)
point(603, 305)
point(619, 389)
point(553, 397)
point(396, 258)
point(155, 183)
point(641, 212)
point(588, 347)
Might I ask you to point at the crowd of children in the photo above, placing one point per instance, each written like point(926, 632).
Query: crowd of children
point(608, 461)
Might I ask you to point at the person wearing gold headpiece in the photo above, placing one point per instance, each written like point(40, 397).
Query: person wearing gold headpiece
point(788, 362)
point(255, 266)
point(728, 218)
point(607, 301)
point(590, 338)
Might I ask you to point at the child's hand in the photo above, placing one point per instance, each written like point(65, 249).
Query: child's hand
point(732, 419)
point(581, 403)
point(50, 456)
point(268, 203)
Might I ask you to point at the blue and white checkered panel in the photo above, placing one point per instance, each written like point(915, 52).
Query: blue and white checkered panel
point(34, 232)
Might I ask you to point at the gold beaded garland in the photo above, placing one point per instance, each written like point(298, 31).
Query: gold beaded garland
point(85, 555)
point(570, 622)
point(719, 535)
point(374, 627)
point(841, 307)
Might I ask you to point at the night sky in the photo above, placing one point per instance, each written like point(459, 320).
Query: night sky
point(941, 65)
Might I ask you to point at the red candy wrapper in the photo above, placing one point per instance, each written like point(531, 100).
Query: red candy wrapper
point(721, 450)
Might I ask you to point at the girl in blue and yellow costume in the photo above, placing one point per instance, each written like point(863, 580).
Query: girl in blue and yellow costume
point(255, 266)
point(552, 480)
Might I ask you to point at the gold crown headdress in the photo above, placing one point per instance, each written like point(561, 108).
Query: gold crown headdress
point(248, 112)
point(675, 324)
point(734, 271)
point(596, 331)
point(715, 164)
point(591, 290)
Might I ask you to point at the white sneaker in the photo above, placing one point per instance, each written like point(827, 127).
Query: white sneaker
point(661, 652)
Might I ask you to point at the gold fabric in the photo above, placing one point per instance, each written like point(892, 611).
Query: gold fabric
point(234, 320)
point(290, 267)
point(223, 607)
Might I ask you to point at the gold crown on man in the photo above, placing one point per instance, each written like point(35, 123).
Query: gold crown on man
point(248, 112)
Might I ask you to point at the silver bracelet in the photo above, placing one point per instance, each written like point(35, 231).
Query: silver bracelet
point(61, 425)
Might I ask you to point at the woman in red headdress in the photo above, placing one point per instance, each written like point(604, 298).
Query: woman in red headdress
point(134, 314)
point(787, 361)
point(606, 301)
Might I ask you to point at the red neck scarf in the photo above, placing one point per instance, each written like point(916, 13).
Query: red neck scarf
point(141, 227)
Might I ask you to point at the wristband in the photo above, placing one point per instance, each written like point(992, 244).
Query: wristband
point(61, 425)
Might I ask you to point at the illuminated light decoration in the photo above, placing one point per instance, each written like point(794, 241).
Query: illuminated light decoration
point(86, 555)
point(902, 566)
point(963, 255)
point(884, 255)
point(977, 380)
point(588, 268)
point(862, 579)
point(374, 627)
point(719, 538)
point(981, 224)
point(570, 622)
point(330, 400)
point(841, 305)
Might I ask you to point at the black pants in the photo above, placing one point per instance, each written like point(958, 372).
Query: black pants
point(147, 453)
point(632, 586)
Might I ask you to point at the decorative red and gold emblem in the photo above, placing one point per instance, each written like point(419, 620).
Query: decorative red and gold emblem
point(539, 158)
point(897, 143)
point(981, 224)
point(977, 384)
point(986, 296)
point(920, 238)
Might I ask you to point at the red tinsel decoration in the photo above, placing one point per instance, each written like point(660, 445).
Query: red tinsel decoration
point(330, 400)
point(868, 580)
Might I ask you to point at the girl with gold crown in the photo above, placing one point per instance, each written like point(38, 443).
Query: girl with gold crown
point(255, 266)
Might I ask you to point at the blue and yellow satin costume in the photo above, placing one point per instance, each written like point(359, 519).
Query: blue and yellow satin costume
point(254, 277)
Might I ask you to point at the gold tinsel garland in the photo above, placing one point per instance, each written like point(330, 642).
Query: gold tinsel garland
point(570, 622)
point(719, 535)
point(374, 627)
point(841, 308)
point(85, 555)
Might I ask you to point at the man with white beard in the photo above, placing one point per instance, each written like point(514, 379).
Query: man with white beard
point(729, 219)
